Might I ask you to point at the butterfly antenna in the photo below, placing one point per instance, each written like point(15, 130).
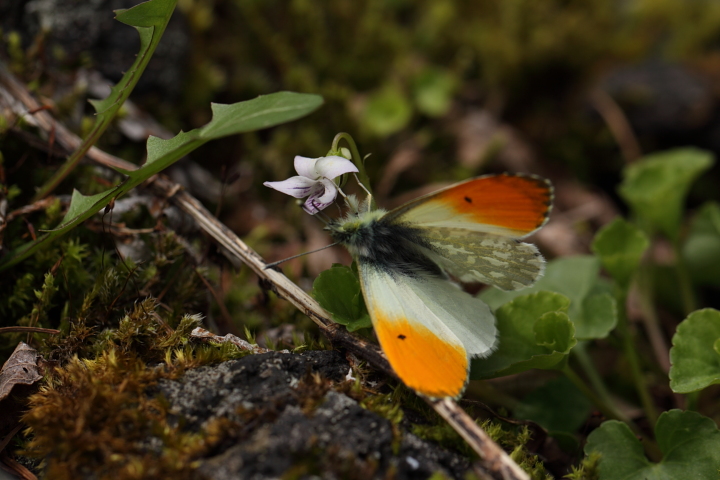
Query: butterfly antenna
point(274, 264)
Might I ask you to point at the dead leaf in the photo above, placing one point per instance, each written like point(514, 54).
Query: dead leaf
point(20, 369)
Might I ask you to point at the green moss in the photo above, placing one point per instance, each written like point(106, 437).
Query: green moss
point(95, 415)
point(587, 470)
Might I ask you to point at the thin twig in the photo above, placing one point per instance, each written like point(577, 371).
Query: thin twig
point(494, 462)
point(51, 331)
point(33, 207)
point(205, 336)
point(24, 105)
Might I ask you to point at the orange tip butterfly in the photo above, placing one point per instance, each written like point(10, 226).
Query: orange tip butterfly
point(427, 326)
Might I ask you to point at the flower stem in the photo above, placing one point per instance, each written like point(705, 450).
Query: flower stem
point(356, 158)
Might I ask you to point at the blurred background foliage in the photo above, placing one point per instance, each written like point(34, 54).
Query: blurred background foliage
point(435, 90)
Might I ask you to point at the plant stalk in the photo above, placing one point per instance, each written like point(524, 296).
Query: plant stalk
point(629, 347)
point(357, 160)
point(607, 408)
point(580, 353)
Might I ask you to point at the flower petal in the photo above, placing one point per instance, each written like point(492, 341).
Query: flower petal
point(321, 198)
point(331, 191)
point(334, 166)
point(305, 167)
point(297, 187)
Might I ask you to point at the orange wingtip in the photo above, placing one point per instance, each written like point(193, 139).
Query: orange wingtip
point(424, 362)
point(516, 202)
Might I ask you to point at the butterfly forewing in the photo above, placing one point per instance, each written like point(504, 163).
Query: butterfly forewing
point(507, 205)
point(428, 329)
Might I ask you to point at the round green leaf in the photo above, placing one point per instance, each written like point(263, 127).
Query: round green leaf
point(620, 246)
point(533, 332)
point(656, 186)
point(433, 90)
point(387, 111)
point(337, 290)
point(689, 441)
point(592, 310)
point(695, 360)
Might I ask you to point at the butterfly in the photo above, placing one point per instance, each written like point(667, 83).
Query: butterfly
point(428, 327)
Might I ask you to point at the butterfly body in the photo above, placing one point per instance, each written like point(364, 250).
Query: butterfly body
point(428, 327)
point(391, 247)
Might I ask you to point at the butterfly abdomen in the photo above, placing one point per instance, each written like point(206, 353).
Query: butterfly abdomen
point(388, 246)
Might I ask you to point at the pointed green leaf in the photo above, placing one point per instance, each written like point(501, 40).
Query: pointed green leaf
point(147, 14)
point(694, 358)
point(592, 310)
point(79, 206)
point(689, 441)
point(620, 246)
point(656, 186)
point(533, 332)
point(150, 20)
point(337, 290)
point(264, 111)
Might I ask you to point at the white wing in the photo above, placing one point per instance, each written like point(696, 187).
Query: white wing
point(428, 328)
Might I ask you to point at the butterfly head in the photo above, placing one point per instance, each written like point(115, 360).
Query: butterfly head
point(355, 230)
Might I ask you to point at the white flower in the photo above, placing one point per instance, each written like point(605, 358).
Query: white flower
point(315, 181)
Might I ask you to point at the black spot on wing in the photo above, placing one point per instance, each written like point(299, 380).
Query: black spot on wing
point(402, 337)
point(468, 199)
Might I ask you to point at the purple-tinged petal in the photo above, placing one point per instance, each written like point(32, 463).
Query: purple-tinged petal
point(334, 166)
point(297, 187)
point(305, 167)
point(321, 197)
point(312, 206)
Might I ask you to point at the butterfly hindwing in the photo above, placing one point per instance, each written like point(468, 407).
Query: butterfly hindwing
point(470, 229)
point(428, 329)
point(473, 257)
point(507, 205)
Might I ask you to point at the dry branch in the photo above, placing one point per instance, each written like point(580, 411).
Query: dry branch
point(494, 462)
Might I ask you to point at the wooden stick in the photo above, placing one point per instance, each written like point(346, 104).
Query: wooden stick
point(494, 463)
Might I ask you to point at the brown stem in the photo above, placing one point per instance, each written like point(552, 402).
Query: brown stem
point(29, 330)
point(494, 463)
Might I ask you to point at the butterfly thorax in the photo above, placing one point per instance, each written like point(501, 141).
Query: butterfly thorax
point(390, 246)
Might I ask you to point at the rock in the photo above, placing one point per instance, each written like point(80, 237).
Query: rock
point(336, 439)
